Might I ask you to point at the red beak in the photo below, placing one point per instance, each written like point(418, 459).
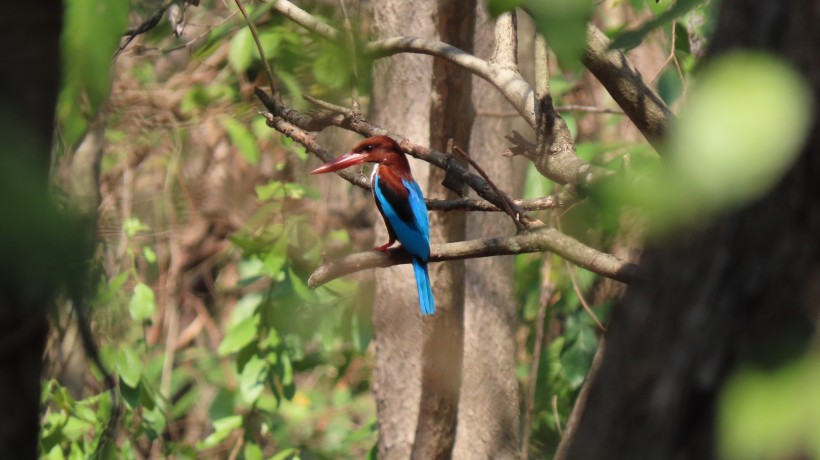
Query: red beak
point(344, 161)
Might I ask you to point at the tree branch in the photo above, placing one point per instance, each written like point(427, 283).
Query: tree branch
point(559, 162)
point(544, 239)
point(470, 204)
point(505, 53)
point(306, 20)
point(288, 119)
point(624, 83)
point(506, 80)
point(309, 143)
point(259, 48)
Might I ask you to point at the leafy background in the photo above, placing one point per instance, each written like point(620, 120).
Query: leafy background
point(209, 227)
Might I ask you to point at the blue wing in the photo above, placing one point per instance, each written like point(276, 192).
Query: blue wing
point(407, 216)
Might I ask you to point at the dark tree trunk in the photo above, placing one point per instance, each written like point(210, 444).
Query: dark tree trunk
point(29, 80)
point(741, 291)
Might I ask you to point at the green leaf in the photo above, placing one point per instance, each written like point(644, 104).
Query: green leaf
point(771, 413)
point(253, 378)
point(242, 50)
point(331, 68)
point(222, 429)
point(632, 38)
point(238, 336)
point(131, 226)
point(285, 454)
point(564, 26)
point(129, 366)
point(92, 33)
point(496, 7)
point(273, 189)
point(155, 421)
point(741, 130)
point(252, 451)
point(142, 305)
point(245, 308)
point(577, 357)
point(242, 138)
point(149, 254)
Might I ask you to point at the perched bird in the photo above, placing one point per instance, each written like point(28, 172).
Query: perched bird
point(400, 202)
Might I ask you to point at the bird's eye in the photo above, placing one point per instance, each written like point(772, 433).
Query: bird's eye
point(368, 148)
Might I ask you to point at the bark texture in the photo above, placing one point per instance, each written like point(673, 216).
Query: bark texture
point(451, 117)
point(488, 424)
point(28, 91)
point(401, 103)
point(741, 291)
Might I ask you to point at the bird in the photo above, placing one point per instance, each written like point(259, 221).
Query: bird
point(399, 201)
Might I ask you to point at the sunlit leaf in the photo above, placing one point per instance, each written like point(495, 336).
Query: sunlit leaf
point(222, 429)
point(239, 336)
point(253, 378)
point(129, 366)
point(142, 305)
point(242, 138)
point(242, 50)
point(285, 454)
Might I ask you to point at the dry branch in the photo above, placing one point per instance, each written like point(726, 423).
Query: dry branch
point(625, 84)
point(545, 239)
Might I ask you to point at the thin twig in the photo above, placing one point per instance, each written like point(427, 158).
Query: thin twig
point(586, 108)
point(144, 27)
point(558, 108)
point(540, 240)
point(306, 20)
point(351, 44)
point(580, 403)
point(309, 143)
point(668, 58)
point(328, 106)
point(547, 290)
point(471, 204)
point(265, 63)
point(506, 203)
point(580, 295)
point(555, 414)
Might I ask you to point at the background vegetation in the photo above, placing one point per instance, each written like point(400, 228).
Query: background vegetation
point(209, 226)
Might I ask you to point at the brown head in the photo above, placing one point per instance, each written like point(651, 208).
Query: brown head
point(378, 149)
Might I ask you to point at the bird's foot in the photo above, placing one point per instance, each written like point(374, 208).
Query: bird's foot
point(385, 247)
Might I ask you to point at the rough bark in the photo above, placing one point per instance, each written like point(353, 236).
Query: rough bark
point(401, 104)
point(488, 425)
point(28, 92)
point(737, 292)
point(451, 117)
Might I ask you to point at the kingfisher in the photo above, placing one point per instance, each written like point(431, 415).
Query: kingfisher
point(399, 201)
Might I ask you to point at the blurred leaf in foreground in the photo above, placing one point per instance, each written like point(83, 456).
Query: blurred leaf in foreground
point(772, 414)
point(741, 130)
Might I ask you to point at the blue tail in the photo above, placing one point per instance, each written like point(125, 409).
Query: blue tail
point(428, 305)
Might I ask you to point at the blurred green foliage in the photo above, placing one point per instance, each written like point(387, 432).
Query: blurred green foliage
point(772, 413)
point(737, 135)
point(90, 38)
point(286, 371)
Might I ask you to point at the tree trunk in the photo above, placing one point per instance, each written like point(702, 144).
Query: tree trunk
point(488, 420)
point(401, 103)
point(451, 117)
point(28, 92)
point(740, 291)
